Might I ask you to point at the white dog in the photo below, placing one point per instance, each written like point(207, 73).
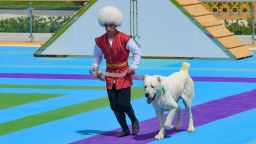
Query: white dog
point(165, 92)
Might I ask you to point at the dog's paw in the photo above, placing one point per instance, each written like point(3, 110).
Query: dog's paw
point(168, 127)
point(159, 136)
point(191, 130)
point(178, 128)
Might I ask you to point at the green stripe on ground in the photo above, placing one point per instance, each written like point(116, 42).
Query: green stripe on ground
point(30, 121)
point(52, 87)
point(13, 99)
point(251, 142)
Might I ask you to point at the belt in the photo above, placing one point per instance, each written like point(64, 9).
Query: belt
point(118, 65)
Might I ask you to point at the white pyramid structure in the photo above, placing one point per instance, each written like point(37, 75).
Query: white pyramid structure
point(164, 31)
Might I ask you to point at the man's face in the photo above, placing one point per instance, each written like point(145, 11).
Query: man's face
point(111, 29)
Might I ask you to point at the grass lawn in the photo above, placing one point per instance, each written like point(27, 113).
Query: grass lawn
point(41, 4)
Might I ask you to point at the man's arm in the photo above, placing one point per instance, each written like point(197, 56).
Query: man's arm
point(134, 49)
point(97, 57)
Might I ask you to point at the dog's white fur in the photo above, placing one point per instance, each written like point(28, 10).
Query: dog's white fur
point(165, 92)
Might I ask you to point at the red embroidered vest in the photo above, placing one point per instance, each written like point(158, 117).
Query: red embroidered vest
point(116, 58)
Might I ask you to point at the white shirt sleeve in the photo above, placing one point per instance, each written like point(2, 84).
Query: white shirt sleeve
point(97, 56)
point(134, 49)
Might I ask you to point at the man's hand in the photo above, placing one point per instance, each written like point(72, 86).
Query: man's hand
point(100, 75)
point(97, 73)
point(130, 71)
point(95, 68)
point(93, 71)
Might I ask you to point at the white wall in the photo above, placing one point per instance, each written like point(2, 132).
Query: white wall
point(164, 32)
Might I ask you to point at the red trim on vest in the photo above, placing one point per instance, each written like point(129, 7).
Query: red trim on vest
point(115, 54)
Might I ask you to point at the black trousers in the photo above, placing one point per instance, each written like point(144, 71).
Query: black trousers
point(120, 103)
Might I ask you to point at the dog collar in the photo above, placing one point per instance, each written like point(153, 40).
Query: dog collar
point(163, 90)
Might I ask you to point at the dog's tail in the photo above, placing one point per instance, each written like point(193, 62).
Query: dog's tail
point(185, 67)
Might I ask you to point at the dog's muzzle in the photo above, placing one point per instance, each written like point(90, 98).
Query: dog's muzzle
point(149, 99)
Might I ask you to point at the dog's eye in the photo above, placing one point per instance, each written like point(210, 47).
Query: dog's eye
point(152, 86)
point(145, 86)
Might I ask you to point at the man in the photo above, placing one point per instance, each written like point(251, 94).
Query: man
point(116, 46)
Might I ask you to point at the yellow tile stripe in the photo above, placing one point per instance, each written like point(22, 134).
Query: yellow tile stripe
point(31, 44)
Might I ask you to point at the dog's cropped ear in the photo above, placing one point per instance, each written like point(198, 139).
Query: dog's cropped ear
point(144, 77)
point(159, 79)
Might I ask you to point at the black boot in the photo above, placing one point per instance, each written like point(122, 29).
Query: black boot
point(135, 128)
point(135, 123)
point(120, 116)
point(123, 133)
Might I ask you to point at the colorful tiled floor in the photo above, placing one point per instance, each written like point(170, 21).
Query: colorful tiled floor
point(55, 101)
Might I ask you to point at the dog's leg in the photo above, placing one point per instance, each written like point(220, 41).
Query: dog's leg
point(170, 115)
point(168, 121)
point(187, 102)
point(179, 119)
point(161, 132)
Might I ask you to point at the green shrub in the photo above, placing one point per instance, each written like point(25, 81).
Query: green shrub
point(239, 27)
point(39, 24)
point(51, 24)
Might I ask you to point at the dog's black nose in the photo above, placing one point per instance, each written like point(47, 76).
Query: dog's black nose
point(146, 95)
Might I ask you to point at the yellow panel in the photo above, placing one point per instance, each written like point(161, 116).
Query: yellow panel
point(188, 2)
point(241, 52)
point(35, 44)
point(197, 10)
point(230, 42)
point(208, 20)
point(219, 31)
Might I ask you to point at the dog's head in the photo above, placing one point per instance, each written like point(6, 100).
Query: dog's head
point(152, 87)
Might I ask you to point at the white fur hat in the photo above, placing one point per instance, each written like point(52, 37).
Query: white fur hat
point(110, 15)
